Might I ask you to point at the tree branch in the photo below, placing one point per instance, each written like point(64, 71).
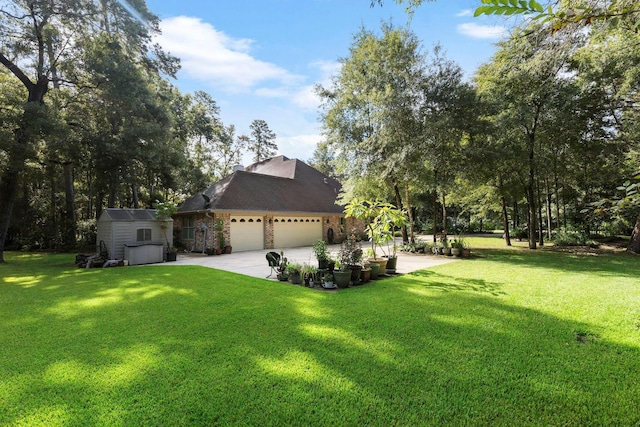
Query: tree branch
point(16, 71)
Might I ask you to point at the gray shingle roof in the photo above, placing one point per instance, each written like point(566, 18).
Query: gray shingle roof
point(116, 214)
point(274, 185)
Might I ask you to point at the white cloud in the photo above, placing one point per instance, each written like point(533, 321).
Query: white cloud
point(482, 31)
point(465, 12)
point(212, 56)
point(307, 98)
point(280, 92)
point(299, 146)
point(327, 69)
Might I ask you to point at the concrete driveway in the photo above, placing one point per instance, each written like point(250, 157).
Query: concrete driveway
point(254, 263)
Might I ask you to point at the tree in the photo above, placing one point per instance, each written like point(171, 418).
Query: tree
point(263, 141)
point(370, 116)
point(525, 77)
point(447, 113)
point(322, 160)
point(41, 42)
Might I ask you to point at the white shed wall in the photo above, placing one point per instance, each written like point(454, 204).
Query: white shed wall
point(116, 234)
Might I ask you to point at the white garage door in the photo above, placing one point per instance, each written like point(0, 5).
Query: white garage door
point(290, 232)
point(247, 233)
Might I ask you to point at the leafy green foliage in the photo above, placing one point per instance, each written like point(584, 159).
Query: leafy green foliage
point(509, 7)
point(570, 237)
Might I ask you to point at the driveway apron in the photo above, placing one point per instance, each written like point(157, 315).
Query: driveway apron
point(254, 263)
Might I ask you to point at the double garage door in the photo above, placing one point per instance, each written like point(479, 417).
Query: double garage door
point(247, 232)
point(290, 232)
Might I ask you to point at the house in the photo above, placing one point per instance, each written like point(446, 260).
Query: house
point(273, 204)
point(135, 235)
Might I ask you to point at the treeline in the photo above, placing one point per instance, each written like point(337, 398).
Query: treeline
point(544, 136)
point(89, 119)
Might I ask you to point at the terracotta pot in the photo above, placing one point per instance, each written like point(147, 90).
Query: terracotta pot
point(382, 262)
point(365, 274)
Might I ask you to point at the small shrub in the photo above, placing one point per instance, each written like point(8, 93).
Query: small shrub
point(521, 233)
point(568, 237)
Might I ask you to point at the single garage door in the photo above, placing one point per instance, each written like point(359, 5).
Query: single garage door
point(291, 232)
point(247, 233)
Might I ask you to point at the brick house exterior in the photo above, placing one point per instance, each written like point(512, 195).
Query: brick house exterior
point(273, 204)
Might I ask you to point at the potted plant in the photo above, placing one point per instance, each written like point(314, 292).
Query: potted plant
point(365, 274)
point(322, 254)
point(446, 249)
point(375, 269)
point(380, 220)
point(282, 268)
point(457, 246)
point(341, 274)
point(293, 270)
point(220, 233)
point(164, 212)
point(308, 273)
point(351, 256)
point(392, 260)
point(327, 281)
point(390, 218)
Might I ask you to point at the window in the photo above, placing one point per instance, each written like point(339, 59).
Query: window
point(143, 235)
point(188, 229)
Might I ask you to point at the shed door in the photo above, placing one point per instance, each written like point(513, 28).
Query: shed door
point(290, 232)
point(247, 233)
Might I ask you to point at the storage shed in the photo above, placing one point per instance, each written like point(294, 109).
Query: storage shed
point(135, 235)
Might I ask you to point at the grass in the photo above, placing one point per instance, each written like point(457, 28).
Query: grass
point(512, 337)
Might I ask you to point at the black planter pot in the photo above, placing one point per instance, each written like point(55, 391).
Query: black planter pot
point(391, 262)
point(355, 273)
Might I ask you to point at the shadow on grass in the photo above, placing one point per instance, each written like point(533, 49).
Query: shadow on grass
point(194, 346)
point(618, 264)
point(438, 281)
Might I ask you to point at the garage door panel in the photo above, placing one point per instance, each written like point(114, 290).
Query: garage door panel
point(290, 232)
point(247, 233)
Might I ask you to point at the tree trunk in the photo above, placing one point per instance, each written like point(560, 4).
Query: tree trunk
point(16, 154)
point(52, 225)
point(99, 204)
point(444, 214)
point(531, 193)
point(505, 215)
point(134, 193)
point(69, 220)
point(540, 219)
point(409, 213)
point(549, 214)
point(435, 216)
point(399, 204)
point(505, 221)
point(113, 189)
point(634, 243)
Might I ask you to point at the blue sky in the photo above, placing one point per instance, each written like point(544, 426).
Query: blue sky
point(260, 59)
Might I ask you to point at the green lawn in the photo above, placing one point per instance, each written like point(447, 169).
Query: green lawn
point(512, 337)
